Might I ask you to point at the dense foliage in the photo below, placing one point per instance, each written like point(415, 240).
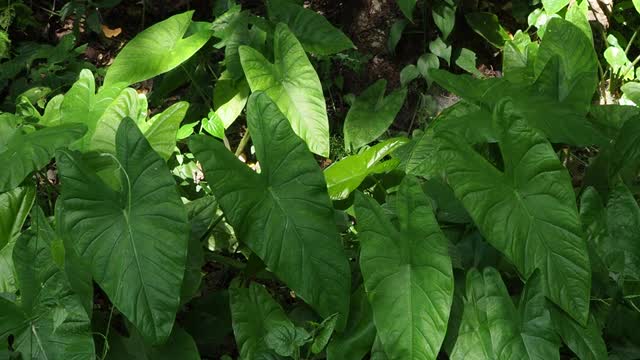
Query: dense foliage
point(474, 236)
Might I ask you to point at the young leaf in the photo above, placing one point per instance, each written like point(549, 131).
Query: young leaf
point(24, 153)
point(371, 114)
point(407, 273)
point(154, 51)
point(444, 16)
point(425, 63)
point(294, 86)
point(135, 239)
point(344, 176)
point(520, 209)
point(492, 327)
point(357, 338)
point(282, 214)
point(440, 49)
point(255, 314)
point(38, 330)
point(315, 33)
point(395, 34)
point(323, 334)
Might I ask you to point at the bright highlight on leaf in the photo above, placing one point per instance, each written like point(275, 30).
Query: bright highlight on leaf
point(155, 51)
point(292, 83)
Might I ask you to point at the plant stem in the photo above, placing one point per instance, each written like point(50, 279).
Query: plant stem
point(243, 143)
point(633, 37)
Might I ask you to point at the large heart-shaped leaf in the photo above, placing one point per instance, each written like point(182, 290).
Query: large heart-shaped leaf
point(155, 50)
point(528, 211)
point(255, 314)
point(294, 86)
point(14, 208)
point(371, 114)
point(161, 130)
point(315, 33)
point(50, 323)
point(136, 238)
point(24, 153)
point(492, 327)
point(407, 273)
point(283, 214)
point(346, 175)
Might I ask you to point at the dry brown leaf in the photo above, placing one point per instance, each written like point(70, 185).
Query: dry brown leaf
point(109, 33)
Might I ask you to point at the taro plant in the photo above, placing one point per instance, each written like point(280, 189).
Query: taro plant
point(472, 239)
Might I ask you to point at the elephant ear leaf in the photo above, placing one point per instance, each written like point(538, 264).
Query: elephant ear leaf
point(156, 50)
point(282, 214)
point(528, 211)
point(50, 322)
point(294, 86)
point(407, 273)
point(134, 239)
point(24, 153)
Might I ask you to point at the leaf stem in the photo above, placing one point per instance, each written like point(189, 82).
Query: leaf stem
point(243, 143)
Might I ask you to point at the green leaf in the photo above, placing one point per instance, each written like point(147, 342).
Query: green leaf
point(425, 63)
point(466, 60)
point(632, 91)
point(38, 331)
point(344, 176)
point(395, 34)
point(371, 114)
point(229, 99)
point(586, 342)
point(14, 209)
point(294, 86)
point(126, 104)
point(488, 26)
point(444, 16)
point(407, 273)
point(25, 153)
point(315, 33)
point(636, 4)
point(285, 207)
point(155, 50)
point(162, 129)
point(357, 338)
point(408, 74)
point(407, 6)
point(255, 314)
point(179, 345)
point(553, 6)
point(578, 14)
point(532, 199)
point(440, 49)
point(213, 125)
point(286, 340)
point(492, 327)
point(81, 104)
point(135, 239)
point(323, 333)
